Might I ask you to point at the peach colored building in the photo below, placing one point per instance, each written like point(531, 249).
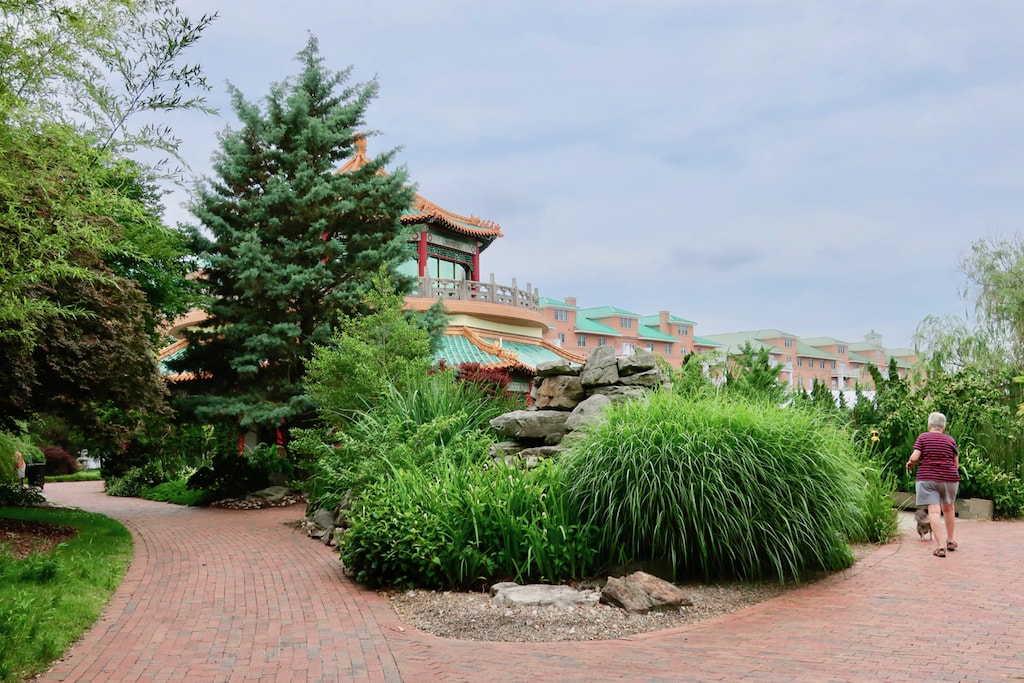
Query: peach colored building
point(583, 329)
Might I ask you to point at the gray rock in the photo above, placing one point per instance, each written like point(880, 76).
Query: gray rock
point(588, 412)
point(640, 593)
point(560, 392)
point(647, 378)
point(530, 424)
point(507, 594)
point(601, 368)
point(640, 360)
point(619, 392)
point(271, 494)
point(556, 367)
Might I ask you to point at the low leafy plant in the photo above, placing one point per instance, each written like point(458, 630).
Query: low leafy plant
point(456, 526)
point(233, 475)
point(16, 495)
point(176, 492)
point(721, 488)
point(132, 483)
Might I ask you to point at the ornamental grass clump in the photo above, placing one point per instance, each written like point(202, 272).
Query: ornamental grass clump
point(720, 488)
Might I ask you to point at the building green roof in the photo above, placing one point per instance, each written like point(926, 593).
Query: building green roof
point(655, 320)
point(824, 341)
point(548, 302)
point(593, 327)
point(704, 341)
point(605, 312)
point(648, 332)
point(808, 351)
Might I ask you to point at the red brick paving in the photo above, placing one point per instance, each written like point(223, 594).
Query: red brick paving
point(231, 596)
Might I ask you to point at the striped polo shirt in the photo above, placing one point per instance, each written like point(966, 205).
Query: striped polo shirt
point(938, 457)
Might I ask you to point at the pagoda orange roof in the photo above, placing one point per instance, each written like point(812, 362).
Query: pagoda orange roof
point(425, 211)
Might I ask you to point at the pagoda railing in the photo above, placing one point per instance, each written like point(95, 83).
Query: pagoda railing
point(468, 290)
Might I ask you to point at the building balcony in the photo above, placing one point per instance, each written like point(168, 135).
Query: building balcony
point(504, 305)
point(845, 372)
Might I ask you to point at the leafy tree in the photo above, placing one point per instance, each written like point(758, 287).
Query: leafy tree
point(995, 272)
point(294, 243)
point(753, 374)
point(368, 354)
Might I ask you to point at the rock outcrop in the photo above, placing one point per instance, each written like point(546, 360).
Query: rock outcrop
point(567, 397)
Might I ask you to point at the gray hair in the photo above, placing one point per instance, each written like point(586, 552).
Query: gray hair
point(937, 421)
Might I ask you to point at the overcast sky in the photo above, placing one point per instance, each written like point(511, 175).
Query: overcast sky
point(818, 167)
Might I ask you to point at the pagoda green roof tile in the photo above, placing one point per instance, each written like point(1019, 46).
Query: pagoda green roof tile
point(528, 354)
point(456, 350)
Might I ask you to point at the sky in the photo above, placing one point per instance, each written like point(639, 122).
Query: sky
point(821, 167)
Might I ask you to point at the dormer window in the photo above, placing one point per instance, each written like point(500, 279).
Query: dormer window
point(626, 323)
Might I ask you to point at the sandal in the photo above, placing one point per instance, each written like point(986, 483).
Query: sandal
point(950, 546)
point(939, 552)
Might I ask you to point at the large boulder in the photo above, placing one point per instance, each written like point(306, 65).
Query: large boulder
point(640, 593)
point(640, 360)
point(530, 424)
point(509, 594)
point(559, 392)
point(647, 378)
point(601, 368)
point(551, 368)
point(587, 411)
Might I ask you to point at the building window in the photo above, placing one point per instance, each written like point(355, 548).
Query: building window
point(650, 346)
point(601, 341)
point(561, 314)
point(581, 341)
point(821, 363)
point(841, 350)
point(682, 349)
point(441, 269)
point(833, 365)
point(561, 337)
point(788, 341)
point(668, 350)
point(789, 360)
point(799, 362)
point(684, 330)
point(626, 323)
point(627, 348)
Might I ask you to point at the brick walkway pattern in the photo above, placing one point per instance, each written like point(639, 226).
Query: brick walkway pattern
point(240, 596)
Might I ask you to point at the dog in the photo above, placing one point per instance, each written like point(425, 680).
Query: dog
point(924, 527)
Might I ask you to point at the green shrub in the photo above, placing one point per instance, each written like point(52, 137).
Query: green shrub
point(980, 478)
point(232, 475)
point(176, 492)
point(16, 495)
point(720, 488)
point(454, 526)
point(131, 484)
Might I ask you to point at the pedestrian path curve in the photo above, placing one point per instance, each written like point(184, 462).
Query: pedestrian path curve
point(239, 596)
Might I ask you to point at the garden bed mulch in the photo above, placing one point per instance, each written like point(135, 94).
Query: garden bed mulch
point(22, 538)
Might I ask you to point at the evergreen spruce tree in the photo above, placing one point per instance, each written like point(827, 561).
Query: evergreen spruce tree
point(294, 244)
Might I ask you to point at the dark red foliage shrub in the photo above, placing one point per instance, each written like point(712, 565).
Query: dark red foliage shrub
point(59, 461)
point(493, 380)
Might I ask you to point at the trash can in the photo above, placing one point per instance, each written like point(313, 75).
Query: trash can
point(35, 473)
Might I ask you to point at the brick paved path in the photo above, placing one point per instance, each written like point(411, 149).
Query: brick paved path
point(219, 595)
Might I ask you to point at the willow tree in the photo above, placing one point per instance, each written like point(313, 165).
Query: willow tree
point(287, 244)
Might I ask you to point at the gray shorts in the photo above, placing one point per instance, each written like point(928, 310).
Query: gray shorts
point(937, 492)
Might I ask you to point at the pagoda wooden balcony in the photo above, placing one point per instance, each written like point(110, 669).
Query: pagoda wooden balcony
point(490, 301)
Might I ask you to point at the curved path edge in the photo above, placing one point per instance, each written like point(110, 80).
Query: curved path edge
point(224, 596)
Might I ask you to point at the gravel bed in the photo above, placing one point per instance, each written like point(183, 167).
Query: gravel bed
point(473, 616)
